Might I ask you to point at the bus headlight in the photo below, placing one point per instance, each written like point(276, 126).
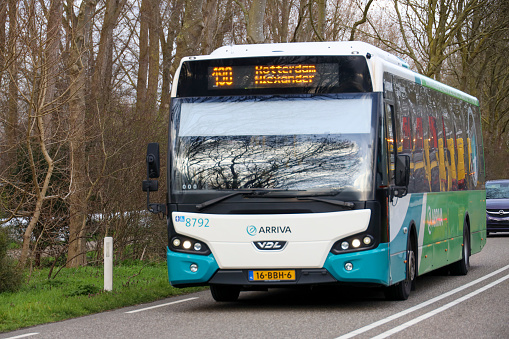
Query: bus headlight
point(188, 245)
point(357, 242)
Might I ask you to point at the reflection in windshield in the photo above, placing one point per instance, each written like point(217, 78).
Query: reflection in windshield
point(497, 191)
point(318, 155)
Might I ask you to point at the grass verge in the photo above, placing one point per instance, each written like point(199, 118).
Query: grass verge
point(79, 291)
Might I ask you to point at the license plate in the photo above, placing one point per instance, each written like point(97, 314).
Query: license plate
point(286, 275)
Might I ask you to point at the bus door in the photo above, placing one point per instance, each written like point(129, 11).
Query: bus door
point(397, 206)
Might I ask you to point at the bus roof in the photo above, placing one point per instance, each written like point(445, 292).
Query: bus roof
point(390, 62)
point(302, 48)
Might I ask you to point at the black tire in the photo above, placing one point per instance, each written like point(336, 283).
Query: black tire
point(401, 290)
point(462, 266)
point(225, 292)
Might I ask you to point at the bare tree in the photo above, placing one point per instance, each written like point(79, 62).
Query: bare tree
point(428, 31)
point(168, 32)
point(278, 17)
point(188, 40)
point(79, 33)
point(103, 68)
point(361, 21)
point(148, 70)
point(254, 19)
point(11, 121)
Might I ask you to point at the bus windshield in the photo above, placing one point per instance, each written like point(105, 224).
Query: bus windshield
point(296, 143)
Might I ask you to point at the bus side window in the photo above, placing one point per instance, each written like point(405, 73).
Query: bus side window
point(419, 143)
point(443, 157)
point(391, 140)
point(433, 155)
point(407, 135)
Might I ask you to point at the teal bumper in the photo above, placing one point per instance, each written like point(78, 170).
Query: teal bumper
point(179, 272)
point(368, 266)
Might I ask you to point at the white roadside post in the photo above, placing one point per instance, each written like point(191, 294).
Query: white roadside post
point(108, 263)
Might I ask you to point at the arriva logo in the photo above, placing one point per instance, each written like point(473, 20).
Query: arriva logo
point(251, 230)
point(434, 218)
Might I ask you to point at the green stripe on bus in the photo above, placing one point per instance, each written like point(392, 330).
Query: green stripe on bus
point(426, 82)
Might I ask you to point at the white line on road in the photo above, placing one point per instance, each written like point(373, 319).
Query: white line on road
point(23, 335)
point(438, 310)
point(162, 305)
point(419, 306)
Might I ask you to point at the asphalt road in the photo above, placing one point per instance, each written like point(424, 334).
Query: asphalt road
point(472, 306)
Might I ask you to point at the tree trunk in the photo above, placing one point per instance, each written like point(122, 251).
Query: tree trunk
point(167, 52)
point(3, 23)
point(189, 37)
point(103, 68)
point(153, 61)
point(11, 126)
point(79, 61)
point(141, 86)
point(53, 35)
point(320, 20)
point(3, 66)
point(255, 22)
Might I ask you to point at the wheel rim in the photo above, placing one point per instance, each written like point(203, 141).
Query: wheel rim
point(411, 266)
point(466, 257)
point(407, 283)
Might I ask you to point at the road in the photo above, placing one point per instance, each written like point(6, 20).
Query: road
point(472, 306)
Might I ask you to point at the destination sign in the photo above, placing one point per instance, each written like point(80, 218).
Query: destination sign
point(273, 76)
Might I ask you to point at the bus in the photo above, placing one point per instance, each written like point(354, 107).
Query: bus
point(303, 164)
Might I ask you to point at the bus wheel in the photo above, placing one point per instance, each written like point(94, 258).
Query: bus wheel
point(462, 266)
point(401, 290)
point(225, 292)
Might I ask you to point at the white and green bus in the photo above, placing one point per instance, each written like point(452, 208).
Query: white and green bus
point(317, 163)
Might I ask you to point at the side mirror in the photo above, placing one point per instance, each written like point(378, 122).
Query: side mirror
point(153, 171)
point(402, 175)
point(153, 164)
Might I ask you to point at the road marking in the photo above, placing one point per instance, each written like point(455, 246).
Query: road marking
point(419, 306)
point(23, 335)
point(438, 310)
point(162, 305)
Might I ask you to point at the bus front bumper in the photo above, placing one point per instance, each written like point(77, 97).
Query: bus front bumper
point(368, 267)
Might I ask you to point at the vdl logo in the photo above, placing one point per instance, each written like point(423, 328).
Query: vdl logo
point(251, 230)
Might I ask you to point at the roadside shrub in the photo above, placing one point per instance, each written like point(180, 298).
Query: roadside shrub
point(83, 289)
point(10, 278)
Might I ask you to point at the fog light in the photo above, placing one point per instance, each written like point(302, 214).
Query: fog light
point(193, 268)
point(348, 266)
point(187, 244)
point(176, 242)
point(345, 245)
point(197, 246)
point(366, 240)
point(356, 243)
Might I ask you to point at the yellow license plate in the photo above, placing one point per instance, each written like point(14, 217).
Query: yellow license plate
point(286, 275)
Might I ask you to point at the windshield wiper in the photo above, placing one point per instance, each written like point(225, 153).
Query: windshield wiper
point(264, 193)
point(347, 204)
point(244, 191)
